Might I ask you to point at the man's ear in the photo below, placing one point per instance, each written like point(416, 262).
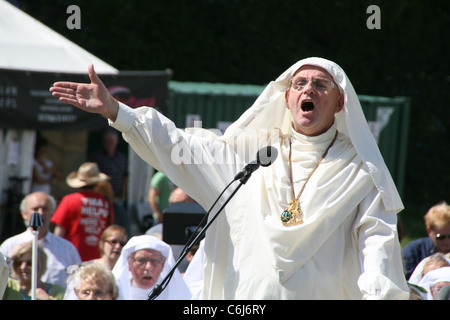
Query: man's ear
point(286, 98)
point(340, 103)
point(430, 232)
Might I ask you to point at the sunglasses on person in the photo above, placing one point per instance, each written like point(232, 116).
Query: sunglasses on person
point(114, 242)
point(439, 236)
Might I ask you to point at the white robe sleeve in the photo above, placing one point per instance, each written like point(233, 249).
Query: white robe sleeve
point(178, 154)
point(379, 247)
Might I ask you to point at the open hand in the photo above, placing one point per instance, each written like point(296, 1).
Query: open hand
point(93, 97)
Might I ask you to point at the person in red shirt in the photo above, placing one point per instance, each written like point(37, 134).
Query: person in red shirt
point(82, 216)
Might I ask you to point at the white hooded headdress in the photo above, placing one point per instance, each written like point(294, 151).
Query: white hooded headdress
point(175, 290)
point(432, 278)
point(269, 112)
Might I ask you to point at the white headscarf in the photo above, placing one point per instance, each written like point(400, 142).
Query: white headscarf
point(269, 111)
point(433, 277)
point(416, 276)
point(175, 290)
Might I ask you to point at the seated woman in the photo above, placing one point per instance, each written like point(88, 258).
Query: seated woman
point(19, 287)
point(145, 261)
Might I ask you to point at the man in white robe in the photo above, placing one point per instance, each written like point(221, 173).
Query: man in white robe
point(346, 246)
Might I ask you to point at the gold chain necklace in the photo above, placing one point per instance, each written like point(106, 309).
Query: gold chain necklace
point(292, 216)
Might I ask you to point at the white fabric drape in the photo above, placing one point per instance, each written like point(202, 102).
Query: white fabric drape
point(432, 278)
point(349, 205)
point(269, 111)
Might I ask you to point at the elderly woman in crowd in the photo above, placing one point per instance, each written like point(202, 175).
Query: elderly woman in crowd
point(435, 281)
point(92, 281)
point(144, 262)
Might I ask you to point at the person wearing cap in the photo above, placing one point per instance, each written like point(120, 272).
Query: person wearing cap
point(82, 216)
point(319, 223)
point(144, 262)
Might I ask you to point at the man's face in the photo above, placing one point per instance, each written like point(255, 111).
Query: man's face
point(440, 235)
point(313, 101)
point(145, 267)
point(38, 202)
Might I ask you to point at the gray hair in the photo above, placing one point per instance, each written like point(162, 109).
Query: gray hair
point(50, 199)
point(95, 272)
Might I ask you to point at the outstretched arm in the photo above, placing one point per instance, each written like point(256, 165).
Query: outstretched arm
point(93, 97)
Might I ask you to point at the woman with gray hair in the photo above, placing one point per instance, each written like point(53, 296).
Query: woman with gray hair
point(92, 281)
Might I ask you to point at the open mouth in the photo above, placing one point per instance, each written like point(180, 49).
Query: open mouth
point(307, 106)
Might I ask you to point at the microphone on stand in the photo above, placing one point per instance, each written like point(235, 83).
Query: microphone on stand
point(264, 157)
point(35, 224)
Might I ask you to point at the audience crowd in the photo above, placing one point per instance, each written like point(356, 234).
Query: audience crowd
point(83, 254)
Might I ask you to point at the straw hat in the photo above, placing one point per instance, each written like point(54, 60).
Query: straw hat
point(88, 174)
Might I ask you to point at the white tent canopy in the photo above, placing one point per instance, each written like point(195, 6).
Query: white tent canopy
point(27, 44)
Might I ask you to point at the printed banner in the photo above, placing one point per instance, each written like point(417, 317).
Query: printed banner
point(26, 102)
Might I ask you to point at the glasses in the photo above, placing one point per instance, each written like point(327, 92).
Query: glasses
point(318, 84)
point(98, 294)
point(140, 262)
point(114, 242)
point(439, 236)
point(20, 263)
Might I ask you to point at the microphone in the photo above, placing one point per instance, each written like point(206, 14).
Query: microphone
point(264, 157)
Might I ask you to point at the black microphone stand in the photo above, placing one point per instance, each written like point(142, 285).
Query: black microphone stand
point(160, 287)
